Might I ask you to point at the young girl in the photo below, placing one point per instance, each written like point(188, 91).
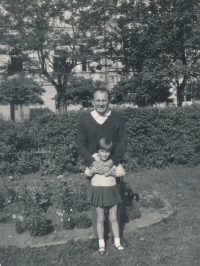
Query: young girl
point(104, 193)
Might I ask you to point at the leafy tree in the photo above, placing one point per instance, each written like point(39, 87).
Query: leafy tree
point(79, 90)
point(36, 28)
point(160, 43)
point(20, 90)
point(140, 92)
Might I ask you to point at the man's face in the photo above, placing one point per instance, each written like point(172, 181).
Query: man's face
point(101, 102)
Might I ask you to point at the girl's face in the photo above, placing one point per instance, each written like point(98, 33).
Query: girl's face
point(103, 154)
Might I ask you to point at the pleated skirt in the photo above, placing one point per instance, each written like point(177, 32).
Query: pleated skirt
point(104, 196)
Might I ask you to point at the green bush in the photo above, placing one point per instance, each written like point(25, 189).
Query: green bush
point(133, 211)
point(69, 222)
point(72, 197)
point(39, 226)
point(156, 138)
point(83, 221)
point(79, 220)
point(35, 225)
point(154, 200)
point(21, 226)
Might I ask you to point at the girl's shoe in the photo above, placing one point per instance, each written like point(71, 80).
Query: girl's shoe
point(120, 248)
point(102, 251)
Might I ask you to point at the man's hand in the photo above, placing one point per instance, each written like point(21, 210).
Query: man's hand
point(100, 167)
point(111, 172)
point(110, 163)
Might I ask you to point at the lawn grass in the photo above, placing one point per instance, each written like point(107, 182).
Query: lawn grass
point(174, 241)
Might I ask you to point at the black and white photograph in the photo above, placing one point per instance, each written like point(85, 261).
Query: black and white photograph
point(99, 132)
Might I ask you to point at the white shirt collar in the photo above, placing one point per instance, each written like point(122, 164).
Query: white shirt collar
point(95, 114)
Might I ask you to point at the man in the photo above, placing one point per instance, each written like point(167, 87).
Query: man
point(101, 123)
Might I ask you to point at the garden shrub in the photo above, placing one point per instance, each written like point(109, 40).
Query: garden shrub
point(133, 211)
point(72, 196)
point(154, 200)
point(39, 225)
point(21, 226)
point(30, 199)
point(35, 112)
point(83, 221)
point(156, 138)
point(2, 200)
point(79, 220)
point(69, 222)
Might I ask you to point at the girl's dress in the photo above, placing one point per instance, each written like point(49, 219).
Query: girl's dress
point(104, 191)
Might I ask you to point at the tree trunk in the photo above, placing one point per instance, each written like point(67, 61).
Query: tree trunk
point(180, 93)
point(21, 113)
point(61, 105)
point(12, 111)
point(61, 94)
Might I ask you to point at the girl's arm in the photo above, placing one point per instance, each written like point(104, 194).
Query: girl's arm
point(88, 172)
point(117, 171)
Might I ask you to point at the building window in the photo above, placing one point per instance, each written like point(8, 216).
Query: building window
point(56, 62)
point(16, 63)
point(188, 97)
point(84, 65)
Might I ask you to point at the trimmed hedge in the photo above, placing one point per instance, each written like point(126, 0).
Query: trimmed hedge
point(156, 138)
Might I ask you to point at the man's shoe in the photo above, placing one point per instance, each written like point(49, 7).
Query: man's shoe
point(94, 244)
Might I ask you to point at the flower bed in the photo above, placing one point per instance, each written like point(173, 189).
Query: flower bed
point(40, 205)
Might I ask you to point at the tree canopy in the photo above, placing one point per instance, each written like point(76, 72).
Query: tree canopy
point(52, 37)
point(22, 90)
point(79, 90)
point(159, 42)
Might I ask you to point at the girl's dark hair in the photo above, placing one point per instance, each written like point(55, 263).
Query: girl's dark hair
point(105, 144)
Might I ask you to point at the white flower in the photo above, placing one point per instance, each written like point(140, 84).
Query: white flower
point(59, 213)
point(20, 218)
point(71, 210)
point(68, 220)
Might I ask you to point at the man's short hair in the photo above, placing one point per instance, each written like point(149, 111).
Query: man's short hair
point(101, 90)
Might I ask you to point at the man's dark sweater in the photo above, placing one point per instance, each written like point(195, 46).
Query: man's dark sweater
point(90, 132)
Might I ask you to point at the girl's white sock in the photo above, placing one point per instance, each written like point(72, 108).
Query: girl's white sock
point(117, 243)
point(101, 243)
